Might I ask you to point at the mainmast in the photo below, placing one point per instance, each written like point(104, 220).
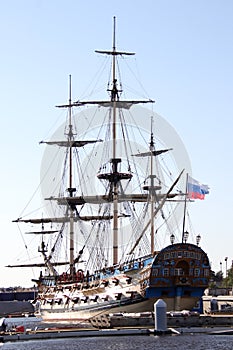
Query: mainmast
point(114, 91)
point(114, 97)
point(71, 189)
point(115, 176)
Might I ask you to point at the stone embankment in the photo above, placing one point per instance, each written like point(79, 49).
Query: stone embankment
point(146, 320)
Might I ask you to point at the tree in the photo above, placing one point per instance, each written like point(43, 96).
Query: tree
point(216, 279)
point(228, 281)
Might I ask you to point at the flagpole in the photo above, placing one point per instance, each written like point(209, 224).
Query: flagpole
point(185, 205)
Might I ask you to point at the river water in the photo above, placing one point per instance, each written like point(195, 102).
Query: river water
point(174, 342)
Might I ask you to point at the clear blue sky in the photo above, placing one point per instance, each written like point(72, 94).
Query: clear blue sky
point(185, 58)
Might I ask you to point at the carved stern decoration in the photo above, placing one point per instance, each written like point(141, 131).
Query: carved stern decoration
point(179, 271)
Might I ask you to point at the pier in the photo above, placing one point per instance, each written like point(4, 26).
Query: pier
point(122, 325)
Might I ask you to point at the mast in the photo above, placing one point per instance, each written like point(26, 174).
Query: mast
point(71, 189)
point(160, 206)
point(115, 161)
point(152, 189)
point(115, 176)
point(114, 92)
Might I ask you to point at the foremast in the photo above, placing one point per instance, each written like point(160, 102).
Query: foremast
point(71, 144)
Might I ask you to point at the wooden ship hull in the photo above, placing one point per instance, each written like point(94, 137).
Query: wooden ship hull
point(178, 274)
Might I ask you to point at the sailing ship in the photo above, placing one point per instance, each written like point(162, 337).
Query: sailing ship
point(112, 200)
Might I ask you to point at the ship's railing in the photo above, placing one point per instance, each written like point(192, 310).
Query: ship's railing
point(105, 273)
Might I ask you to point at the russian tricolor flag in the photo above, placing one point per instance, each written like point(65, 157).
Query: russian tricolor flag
point(196, 190)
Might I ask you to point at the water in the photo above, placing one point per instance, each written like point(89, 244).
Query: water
point(174, 342)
